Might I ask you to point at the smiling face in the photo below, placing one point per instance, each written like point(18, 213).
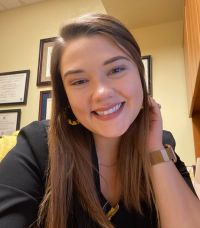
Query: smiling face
point(102, 84)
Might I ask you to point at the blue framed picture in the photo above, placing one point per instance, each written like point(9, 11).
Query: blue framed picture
point(45, 105)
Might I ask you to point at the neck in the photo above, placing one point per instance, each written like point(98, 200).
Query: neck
point(107, 153)
point(107, 150)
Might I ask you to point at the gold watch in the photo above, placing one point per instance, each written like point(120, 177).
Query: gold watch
point(163, 155)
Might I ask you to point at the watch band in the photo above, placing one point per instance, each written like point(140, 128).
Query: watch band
point(163, 155)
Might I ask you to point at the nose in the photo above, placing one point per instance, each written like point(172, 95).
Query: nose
point(103, 91)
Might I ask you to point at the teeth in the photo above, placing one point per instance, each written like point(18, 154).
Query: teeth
point(109, 111)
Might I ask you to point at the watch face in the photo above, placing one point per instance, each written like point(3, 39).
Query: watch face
point(157, 157)
point(163, 155)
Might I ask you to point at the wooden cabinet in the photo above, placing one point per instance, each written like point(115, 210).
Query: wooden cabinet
point(192, 65)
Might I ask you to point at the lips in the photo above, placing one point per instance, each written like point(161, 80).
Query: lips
point(109, 111)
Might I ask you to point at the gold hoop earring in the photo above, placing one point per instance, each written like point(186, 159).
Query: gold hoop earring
point(71, 117)
point(72, 122)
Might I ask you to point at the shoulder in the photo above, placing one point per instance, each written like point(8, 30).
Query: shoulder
point(29, 158)
point(168, 138)
point(30, 154)
point(35, 135)
point(23, 177)
point(36, 129)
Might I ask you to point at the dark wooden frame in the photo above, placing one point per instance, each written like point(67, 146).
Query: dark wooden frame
point(148, 59)
point(27, 72)
point(44, 95)
point(18, 111)
point(42, 80)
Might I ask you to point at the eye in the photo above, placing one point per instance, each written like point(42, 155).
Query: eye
point(117, 70)
point(79, 82)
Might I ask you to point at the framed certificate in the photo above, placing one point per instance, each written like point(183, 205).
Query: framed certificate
point(45, 105)
point(9, 121)
point(147, 61)
point(46, 47)
point(14, 87)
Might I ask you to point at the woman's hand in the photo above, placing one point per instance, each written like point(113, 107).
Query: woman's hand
point(155, 126)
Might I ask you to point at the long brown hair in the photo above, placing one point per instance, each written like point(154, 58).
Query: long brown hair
point(70, 169)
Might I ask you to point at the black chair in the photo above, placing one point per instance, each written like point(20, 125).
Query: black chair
point(169, 139)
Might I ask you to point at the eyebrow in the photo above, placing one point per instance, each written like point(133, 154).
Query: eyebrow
point(111, 60)
point(115, 59)
point(72, 72)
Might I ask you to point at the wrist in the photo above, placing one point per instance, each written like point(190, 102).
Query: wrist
point(162, 155)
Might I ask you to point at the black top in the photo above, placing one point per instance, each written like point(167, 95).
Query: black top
point(22, 178)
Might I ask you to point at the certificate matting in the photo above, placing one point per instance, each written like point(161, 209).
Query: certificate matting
point(46, 47)
point(9, 121)
point(14, 87)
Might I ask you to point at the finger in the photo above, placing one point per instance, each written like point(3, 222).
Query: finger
point(153, 104)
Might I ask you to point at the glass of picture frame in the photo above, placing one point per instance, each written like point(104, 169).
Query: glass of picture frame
point(9, 121)
point(45, 105)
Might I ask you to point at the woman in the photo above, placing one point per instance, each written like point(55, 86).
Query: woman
point(99, 168)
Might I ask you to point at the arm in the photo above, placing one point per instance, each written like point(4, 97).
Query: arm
point(22, 178)
point(177, 204)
